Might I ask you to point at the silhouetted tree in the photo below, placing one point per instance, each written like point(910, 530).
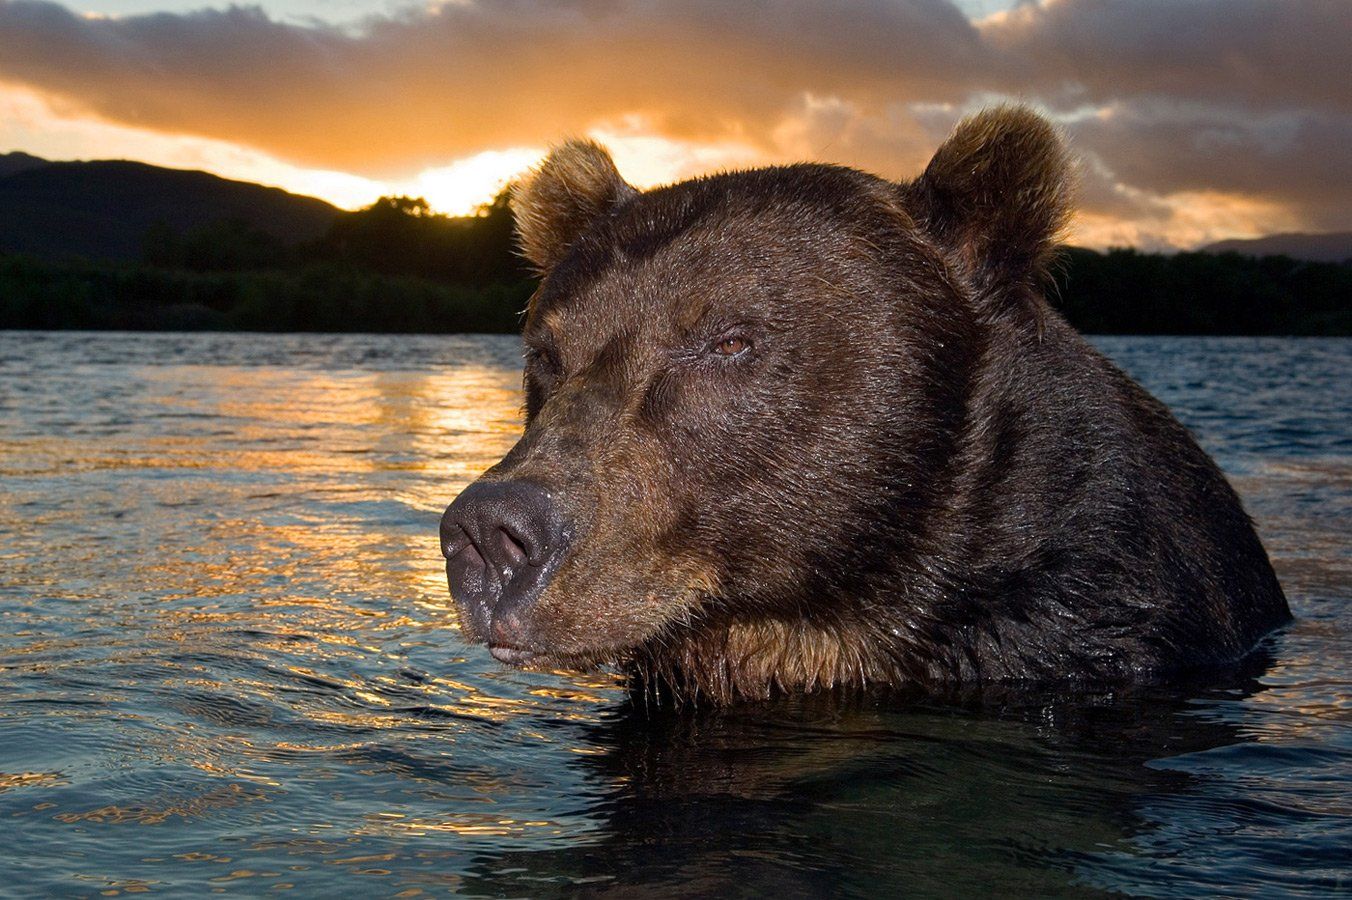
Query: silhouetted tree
point(402, 236)
point(231, 245)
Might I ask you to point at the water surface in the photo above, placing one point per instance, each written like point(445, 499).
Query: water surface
point(228, 663)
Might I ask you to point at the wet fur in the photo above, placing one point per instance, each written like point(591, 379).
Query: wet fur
point(944, 483)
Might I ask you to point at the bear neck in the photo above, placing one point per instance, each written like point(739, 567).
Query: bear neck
point(757, 659)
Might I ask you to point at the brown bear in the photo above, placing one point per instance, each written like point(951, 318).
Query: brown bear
point(801, 427)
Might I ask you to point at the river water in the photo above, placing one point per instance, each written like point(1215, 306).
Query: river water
point(228, 663)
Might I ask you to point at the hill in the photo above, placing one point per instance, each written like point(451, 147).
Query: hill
point(104, 209)
point(18, 162)
point(1329, 247)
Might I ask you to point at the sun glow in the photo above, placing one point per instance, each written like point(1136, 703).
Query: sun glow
point(457, 189)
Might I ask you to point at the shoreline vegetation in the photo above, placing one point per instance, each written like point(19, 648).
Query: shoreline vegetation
point(397, 267)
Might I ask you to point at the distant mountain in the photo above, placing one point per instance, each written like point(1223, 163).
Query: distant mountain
point(103, 209)
point(1329, 247)
point(18, 162)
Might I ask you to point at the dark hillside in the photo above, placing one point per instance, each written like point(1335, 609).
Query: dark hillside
point(1334, 247)
point(103, 210)
point(11, 163)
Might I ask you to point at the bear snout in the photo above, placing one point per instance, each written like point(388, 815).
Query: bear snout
point(502, 541)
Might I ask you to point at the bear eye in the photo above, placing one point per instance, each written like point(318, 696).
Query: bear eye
point(544, 358)
point(731, 346)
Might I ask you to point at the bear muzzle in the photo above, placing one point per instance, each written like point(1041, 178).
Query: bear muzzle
point(502, 541)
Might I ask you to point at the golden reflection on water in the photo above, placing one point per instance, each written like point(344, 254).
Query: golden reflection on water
point(276, 575)
point(30, 779)
point(484, 825)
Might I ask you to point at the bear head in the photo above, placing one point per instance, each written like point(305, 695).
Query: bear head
point(743, 393)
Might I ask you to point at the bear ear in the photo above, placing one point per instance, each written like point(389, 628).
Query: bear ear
point(998, 193)
point(555, 203)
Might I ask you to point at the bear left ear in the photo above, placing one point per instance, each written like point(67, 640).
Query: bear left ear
point(576, 184)
point(998, 193)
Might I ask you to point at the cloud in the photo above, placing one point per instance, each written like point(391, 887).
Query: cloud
point(455, 79)
point(1258, 53)
point(1295, 157)
point(1242, 101)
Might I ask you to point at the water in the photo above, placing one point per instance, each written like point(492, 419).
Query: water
point(228, 664)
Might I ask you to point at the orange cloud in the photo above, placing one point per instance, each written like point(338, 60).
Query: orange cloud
point(411, 91)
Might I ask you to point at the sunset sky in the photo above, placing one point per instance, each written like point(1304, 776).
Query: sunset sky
point(1195, 120)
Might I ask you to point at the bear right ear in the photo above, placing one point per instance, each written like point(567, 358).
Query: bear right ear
point(998, 193)
point(576, 184)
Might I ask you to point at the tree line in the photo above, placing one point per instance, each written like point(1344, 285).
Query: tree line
point(1125, 291)
point(396, 266)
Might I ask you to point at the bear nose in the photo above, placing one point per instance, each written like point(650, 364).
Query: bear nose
point(500, 540)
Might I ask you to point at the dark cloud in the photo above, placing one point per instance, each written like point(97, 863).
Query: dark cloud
point(1296, 157)
point(1259, 53)
point(1243, 96)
